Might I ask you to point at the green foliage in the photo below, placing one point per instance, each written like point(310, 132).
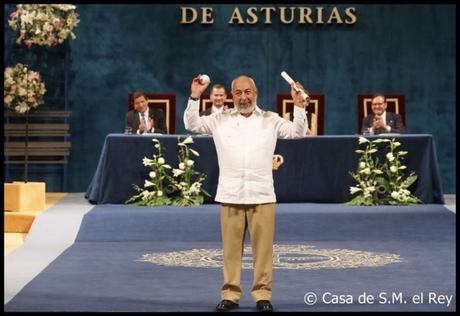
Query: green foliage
point(181, 188)
point(381, 183)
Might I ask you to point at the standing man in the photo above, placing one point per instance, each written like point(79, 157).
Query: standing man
point(143, 119)
point(217, 97)
point(380, 121)
point(245, 139)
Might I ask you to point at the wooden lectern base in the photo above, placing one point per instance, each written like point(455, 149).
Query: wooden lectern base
point(24, 197)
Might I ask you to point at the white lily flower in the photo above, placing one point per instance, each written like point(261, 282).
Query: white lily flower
point(160, 193)
point(395, 195)
point(188, 140)
point(372, 151)
point(393, 169)
point(390, 157)
point(405, 192)
point(157, 146)
point(177, 172)
point(194, 152)
point(148, 183)
point(402, 153)
point(190, 163)
point(182, 166)
point(167, 166)
point(402, 167)
point(362, 164)
point(370, 189)
point(363, 140)
point(353, 190)
point(161, 160)
point(152, 174)
point(366, 171)
point(193, 190)
point(146, 161)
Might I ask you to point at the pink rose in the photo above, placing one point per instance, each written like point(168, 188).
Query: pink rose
point(34, 75)
point(14, 15)
point(51, 39)
point(56, 22)
point(8, 99)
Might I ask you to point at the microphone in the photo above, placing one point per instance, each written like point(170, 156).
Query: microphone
point(290, 81)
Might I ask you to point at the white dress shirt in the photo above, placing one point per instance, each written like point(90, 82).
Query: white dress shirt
point(245, 148)
point(215, 109)
point(146, 115)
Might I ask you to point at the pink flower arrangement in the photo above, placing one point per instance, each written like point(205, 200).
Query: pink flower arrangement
point(22, 88)
point(44, 24)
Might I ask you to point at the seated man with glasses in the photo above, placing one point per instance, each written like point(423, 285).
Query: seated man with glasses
point(380, 121)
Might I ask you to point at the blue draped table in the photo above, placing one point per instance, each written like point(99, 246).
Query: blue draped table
point(315, 170)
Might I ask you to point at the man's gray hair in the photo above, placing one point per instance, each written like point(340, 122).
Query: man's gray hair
point(253, 84)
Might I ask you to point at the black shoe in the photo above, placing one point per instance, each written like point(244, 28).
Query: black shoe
point(264, 306)
point(226, 305)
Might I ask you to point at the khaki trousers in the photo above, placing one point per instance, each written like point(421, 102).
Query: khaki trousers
point(235, 219)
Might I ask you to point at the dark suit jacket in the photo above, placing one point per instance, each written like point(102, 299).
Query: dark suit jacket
point(206, 112)
point(132, 120)
point(393, 120)
point(291, 118)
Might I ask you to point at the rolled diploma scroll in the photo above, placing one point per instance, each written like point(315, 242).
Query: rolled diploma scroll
point(290, 81)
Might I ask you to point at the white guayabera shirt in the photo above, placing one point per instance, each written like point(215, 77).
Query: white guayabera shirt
point(245, 148)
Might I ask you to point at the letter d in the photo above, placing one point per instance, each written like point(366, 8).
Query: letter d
point(184, 11)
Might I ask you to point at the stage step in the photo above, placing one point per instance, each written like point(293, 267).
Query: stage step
point(18, 224)
point(13, 241)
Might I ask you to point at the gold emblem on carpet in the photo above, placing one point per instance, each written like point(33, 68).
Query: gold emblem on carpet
point(302, 257)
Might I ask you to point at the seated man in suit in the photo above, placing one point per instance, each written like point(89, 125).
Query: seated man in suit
point(217, 97)
point(143, 119)
point(380, 121)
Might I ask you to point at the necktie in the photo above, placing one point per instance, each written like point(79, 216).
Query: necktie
point(144, 122)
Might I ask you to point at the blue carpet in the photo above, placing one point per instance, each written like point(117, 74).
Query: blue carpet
point(103, 270)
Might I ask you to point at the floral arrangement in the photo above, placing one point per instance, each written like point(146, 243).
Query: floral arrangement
point(185, 179)
point(181, 188)
point(44, 24)
point(381, 183)
point(154, 192)
point(22, 89)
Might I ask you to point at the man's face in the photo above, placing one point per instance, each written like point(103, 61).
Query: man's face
point(140, 104)
point(218, 97)
point(244, 95)
point(378, 105)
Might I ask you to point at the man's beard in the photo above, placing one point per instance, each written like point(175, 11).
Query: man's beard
point(246, 106)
